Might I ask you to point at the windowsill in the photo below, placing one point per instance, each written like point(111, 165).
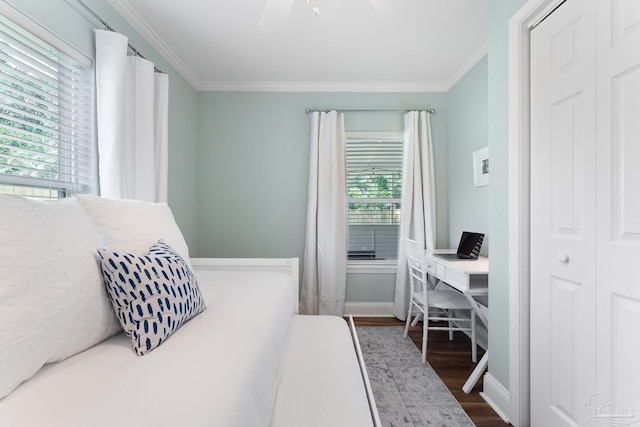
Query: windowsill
point(371, 266)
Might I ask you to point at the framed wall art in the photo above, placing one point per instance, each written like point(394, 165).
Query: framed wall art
point(481, 167)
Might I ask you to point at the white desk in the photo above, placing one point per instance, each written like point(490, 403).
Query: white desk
point(472, 279)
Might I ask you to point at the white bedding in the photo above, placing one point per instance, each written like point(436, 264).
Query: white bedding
point(220, 369)
point(321, 384)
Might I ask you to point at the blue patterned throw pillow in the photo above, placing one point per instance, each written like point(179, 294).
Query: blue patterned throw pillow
point(153, 295)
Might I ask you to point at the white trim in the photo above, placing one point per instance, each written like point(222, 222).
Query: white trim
point(375, 267)
point(133, 17)
point(368, 309)
point(496, 396)
point(467, 65)
point(520, 26)
point(365, 376)
point(137, 22)
point(323, 86)
point(25, 21)
point(288, 266)
point(378, 134)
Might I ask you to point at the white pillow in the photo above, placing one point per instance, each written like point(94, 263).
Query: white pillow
point(133, 225)
point(53, 303)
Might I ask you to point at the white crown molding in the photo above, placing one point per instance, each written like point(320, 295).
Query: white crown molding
point(322, 87)
point(134, 18)
point(466, 66)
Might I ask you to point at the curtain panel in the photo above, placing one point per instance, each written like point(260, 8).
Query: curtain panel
point(418, 213)
point(132, 118)
point(325, 256)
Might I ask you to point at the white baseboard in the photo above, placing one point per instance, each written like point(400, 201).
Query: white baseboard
point(368, 309)
point(497, 396)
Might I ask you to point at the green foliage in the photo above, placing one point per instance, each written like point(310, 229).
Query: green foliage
point(375, 186)
point(28, 127)
point(384, 191)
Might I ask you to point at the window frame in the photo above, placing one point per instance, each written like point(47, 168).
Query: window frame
point(381, 266)
point(82, 143)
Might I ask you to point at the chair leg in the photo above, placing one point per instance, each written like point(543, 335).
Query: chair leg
point(450, 314)
point(425, 334)
point(406, 327)
point(474, 343)
point(416, 319)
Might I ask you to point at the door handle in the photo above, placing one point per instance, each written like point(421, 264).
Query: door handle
point(563, 258)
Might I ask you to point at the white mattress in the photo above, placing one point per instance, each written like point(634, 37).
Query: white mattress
point(321, 382)
point(221, 368)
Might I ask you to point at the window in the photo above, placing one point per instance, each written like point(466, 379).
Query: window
point(374, 191)
point(46, 118)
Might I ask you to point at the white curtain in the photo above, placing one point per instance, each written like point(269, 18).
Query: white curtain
point(418, 213)
point(132, 115)
point(325, 256)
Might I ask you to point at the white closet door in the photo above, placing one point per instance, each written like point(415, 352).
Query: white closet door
point(618, 201)
point(585, 215)
point(563, 221)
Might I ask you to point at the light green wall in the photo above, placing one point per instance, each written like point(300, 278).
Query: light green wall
point(239, 160)
point(370, 287)
point(253, 162)
point(468, 205)
point(500, 11)
point(69, 22)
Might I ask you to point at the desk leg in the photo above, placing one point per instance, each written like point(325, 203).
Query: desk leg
point(484, 362)
point(476, 374)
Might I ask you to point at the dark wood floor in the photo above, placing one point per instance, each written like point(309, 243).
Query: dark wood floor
point(452, 362)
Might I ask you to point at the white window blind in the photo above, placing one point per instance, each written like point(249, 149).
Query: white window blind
point(46, 115)
point(374, 191)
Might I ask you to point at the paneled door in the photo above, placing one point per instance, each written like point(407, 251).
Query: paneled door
point(585, 214)
point(617, 395)
point(563, 202)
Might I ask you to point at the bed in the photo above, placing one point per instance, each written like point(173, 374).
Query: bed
point(247, 360)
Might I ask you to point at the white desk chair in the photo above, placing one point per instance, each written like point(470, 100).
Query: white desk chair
point(423, 299)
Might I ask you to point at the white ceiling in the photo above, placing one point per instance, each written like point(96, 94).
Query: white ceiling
point(404, 45)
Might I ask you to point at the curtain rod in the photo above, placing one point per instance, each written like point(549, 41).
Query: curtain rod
point(110, 28)
point(367, 110)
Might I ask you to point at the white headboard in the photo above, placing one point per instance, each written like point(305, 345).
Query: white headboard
point(288, 266)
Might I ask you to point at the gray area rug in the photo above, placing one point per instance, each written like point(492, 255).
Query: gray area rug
point(407, 392)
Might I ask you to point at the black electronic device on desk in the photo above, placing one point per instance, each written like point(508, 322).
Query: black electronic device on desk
point(468, 248)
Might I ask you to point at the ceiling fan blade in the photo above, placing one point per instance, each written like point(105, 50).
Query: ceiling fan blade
point(275, 15)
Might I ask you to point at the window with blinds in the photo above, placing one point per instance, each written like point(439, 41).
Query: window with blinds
point(374, 191)
point(46, 118)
